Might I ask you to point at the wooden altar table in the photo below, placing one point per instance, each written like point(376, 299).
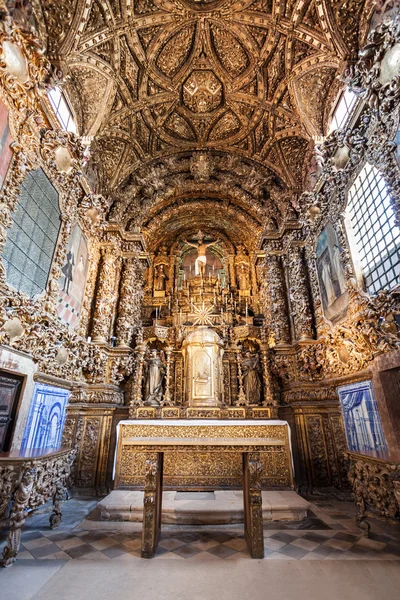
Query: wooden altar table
point(154, 447)
point(27, 480)
point(201, 471)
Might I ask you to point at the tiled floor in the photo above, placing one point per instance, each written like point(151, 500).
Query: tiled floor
point(87, 559)
point(328, 534)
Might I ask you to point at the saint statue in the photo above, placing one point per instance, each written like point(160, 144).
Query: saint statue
point(251, 369)
point(243, 277)
point(155, 375)
point(160, 278)
point(201, 260)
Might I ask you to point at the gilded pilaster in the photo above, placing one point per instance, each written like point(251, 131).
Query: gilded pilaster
point(299, 293)
point(130, 300)
point(277, 300)
point(105, 295)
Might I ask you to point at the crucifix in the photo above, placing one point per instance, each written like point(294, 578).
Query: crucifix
point(201, 246)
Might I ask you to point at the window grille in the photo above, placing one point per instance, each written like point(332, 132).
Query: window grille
point(32, 238)
point(373, 225)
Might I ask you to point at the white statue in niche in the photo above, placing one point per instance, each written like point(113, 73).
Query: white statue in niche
point(155, 375)
point(201, 246)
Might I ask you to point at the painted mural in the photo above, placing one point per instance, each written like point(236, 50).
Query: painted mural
point(5, 141)
point(73, 279)
point(331, 277)
point(362, 422)
point(397, 142)
point(46, 418)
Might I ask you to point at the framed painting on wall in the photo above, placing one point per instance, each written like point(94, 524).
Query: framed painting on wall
point(362, 422)
point(332, 282)
point(5, 144)
point(73, 279)
point(397, 142)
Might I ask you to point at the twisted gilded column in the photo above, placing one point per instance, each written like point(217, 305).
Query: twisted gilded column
point(232, 274)
point(254, 285)
point(267, 377)
point(277, 299)
point(167, 400)
point(299, 293)
point(105, 295)
point(137, 399)
point(130, 300)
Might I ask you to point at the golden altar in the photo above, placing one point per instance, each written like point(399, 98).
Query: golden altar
point(200, 469)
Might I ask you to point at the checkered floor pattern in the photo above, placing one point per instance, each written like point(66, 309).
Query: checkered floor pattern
point(215, 544)
point(328, 534)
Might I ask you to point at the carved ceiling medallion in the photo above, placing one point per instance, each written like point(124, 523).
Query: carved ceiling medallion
point(202, 92)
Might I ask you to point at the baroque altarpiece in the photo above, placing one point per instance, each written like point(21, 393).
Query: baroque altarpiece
point(201, 266)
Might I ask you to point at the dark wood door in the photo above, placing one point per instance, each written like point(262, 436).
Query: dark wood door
point(10, 389)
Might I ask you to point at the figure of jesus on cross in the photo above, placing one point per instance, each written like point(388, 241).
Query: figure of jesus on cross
point(201, 260)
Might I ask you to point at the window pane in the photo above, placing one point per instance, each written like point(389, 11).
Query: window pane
point(377, 239)
point(33, 235)
point(343, 110)
point(62, 110)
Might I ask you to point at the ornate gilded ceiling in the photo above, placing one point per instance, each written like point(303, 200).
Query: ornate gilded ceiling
point(153, 80)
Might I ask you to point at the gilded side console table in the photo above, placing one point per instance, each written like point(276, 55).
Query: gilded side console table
point(27, 480)
point(376, 488)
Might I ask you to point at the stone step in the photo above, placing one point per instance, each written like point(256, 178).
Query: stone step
point(203, 508)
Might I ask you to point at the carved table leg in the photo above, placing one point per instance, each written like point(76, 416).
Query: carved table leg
point(152, 504)
point(363, 525)
point(17, 517)
point(56, 515)
point(253, 518)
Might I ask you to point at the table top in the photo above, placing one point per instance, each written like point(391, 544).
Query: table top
point(32, 454)
point(203, 422)
point(199, 441)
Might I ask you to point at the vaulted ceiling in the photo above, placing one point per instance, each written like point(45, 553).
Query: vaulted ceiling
point(164, 84)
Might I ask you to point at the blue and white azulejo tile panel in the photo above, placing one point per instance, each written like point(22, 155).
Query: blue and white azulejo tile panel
point(362, 422)
point(46, 418)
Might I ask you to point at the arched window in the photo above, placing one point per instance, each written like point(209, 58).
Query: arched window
point(31, 240)
point(62, 110)
point(376, 236)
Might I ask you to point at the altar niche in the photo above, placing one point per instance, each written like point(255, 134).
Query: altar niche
point(203, 351)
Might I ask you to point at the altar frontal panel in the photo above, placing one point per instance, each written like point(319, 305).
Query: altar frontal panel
point(202, 469)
